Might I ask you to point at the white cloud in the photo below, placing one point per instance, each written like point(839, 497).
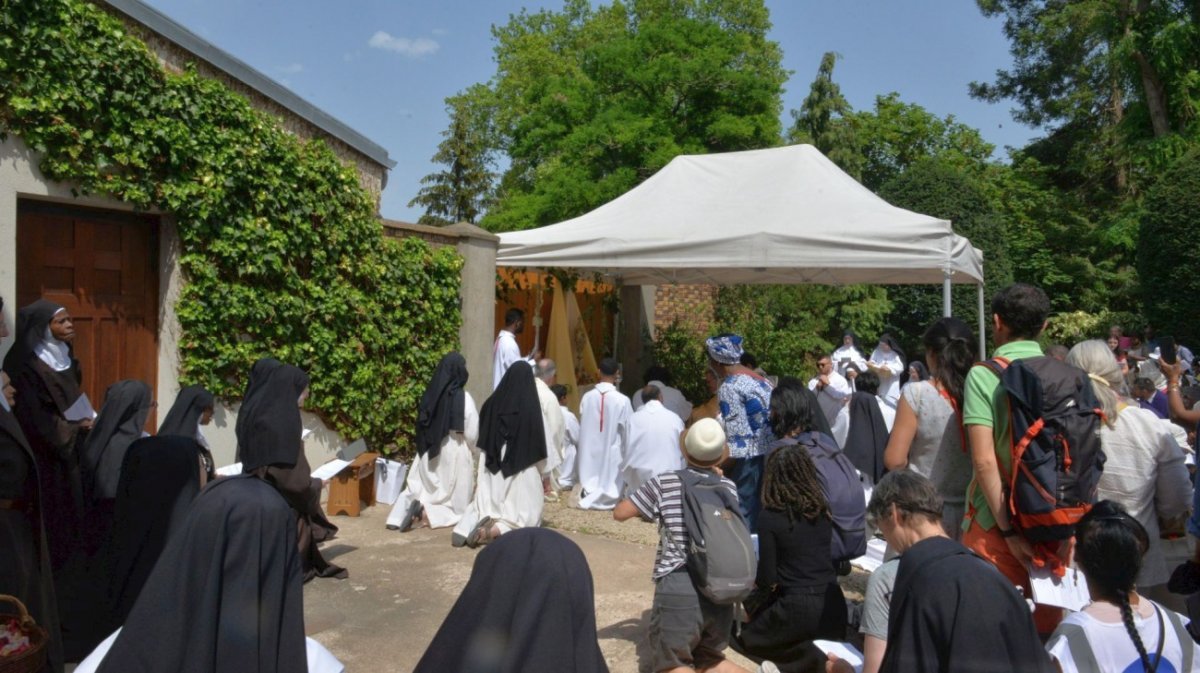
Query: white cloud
point(292, 69)
point(411, 47)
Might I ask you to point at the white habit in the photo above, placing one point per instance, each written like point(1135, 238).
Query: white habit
point(672, 399)
point(513, 502)
point(504, 353)
point(603, 435)
point(890, 368)
point(846, 356)
point(832, 399)
point(568, 472)
point(552, 425)
point(445, 484)
point(653, 449)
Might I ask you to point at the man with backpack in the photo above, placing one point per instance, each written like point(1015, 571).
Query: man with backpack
point(695, 583)
point(1025, 496)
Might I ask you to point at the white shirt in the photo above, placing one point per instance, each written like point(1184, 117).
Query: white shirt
point(833, 396)
point(504, 353)
point(672, 399)
point(653, 448)
point(1110, 642)
point(552, 425)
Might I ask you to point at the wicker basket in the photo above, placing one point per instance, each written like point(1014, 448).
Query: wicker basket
point(32, 660)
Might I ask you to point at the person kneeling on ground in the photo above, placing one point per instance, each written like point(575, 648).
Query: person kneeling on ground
point(687, 631)
point(951, 610)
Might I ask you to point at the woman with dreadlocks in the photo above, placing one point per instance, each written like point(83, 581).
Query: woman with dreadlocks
point(1120, 631)
point(797, 598)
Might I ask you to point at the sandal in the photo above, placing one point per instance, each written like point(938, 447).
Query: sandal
point(481, 534)
point(414, 511)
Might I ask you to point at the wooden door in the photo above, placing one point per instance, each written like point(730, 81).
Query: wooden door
point(103, 267)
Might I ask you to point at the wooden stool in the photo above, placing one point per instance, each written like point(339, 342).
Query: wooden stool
point(354, 485)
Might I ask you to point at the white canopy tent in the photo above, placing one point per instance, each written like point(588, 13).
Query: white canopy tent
point(783, 215)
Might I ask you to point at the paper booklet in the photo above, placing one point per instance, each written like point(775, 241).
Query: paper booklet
point(1069, 591)
point(331, 469)
point(230, 470)
point(81, 410)
point(844, 651)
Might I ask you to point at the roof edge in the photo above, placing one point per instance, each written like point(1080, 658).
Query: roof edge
point(222, 60)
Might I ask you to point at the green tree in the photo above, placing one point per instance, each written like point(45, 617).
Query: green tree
point(461, 192)
point(784, 325)
point(938, 188)
point(1168, 254)
point(824, 121)
point(591, 101)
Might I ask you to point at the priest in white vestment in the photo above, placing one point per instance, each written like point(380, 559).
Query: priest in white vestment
point(833, 392)
point(552, 422)
point(441, 483)
point(512, 462)
point(568, 472)
point(506, 351)
point(603, 436)
point(654, 435)
point(672, 398)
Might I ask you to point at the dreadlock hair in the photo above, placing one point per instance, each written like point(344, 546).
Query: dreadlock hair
point(1109, 548)
point(791, 485)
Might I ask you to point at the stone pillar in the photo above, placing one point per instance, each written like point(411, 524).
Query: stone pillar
point(629, 350)
point(477, 298)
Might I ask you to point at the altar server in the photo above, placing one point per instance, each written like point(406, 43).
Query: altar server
point(603, 437)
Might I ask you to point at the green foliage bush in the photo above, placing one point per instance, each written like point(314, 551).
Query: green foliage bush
point(1169, 251)
point(281, 249)
point(681, 351)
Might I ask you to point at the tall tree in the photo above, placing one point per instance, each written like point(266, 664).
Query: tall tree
point(824, 120)
point(590, 101)
point(462, 191)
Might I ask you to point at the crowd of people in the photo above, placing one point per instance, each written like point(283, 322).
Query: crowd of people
point(110, 524)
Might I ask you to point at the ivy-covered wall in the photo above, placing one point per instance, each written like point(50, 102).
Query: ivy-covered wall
point(282, 253)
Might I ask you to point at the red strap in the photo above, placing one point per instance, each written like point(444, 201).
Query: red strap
point(602, 394)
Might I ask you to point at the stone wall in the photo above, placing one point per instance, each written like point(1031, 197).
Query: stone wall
point(691, 305)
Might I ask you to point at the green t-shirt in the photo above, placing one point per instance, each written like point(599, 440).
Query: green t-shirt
point(984, 403)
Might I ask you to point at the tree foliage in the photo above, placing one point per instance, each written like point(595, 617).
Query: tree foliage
point(824, 121)
point(462, 191)
point(1168, 254)
point(281, 250)
point(591, 101)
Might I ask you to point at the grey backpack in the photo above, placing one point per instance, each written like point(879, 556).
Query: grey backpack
point(720, 554)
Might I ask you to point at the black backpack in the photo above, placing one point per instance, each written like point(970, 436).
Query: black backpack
point(1056, 455)
point(720, 553)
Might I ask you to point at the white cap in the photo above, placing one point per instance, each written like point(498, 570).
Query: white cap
point(705, 442)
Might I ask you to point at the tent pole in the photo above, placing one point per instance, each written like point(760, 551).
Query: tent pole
point(946, 310)
point(982, 325)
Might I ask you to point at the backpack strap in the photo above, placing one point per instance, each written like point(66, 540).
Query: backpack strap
point(1181, 633)
point(1081, 649)
point(996, 363)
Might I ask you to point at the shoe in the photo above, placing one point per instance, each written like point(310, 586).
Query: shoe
point(480, 532)
point(414, 511)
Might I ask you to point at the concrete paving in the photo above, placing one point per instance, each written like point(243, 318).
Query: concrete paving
point(401, 587)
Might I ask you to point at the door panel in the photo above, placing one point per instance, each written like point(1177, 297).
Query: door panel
point(103, 267)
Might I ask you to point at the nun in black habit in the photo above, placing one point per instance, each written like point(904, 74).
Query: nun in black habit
point(47, 379)
point(259, 372)
point(528, 607)
point(121, 422)
point(269, 432)
point(193, 408)
point(24, 559)
point(868, 435)
point(226, 594)
point(159, 479)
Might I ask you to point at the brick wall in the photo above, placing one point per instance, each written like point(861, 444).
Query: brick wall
point(692, 305)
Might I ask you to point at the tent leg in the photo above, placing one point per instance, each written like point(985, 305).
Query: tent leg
point(982, 325)
point(946, 309)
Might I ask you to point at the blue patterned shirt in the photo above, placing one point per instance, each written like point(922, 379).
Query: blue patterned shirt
point(745, 406)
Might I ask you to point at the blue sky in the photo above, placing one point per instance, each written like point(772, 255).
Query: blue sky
point(385, 67)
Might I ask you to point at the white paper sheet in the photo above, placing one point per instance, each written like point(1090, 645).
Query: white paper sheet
point(81, 410)
point(230, 470)
point(844, 651)
point(870, 561)
point(1068, 592)
point(331, 469)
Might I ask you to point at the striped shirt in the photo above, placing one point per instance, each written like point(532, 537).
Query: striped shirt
point(661, 499)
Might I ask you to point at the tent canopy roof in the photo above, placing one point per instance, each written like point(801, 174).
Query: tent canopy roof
point(782, 215)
